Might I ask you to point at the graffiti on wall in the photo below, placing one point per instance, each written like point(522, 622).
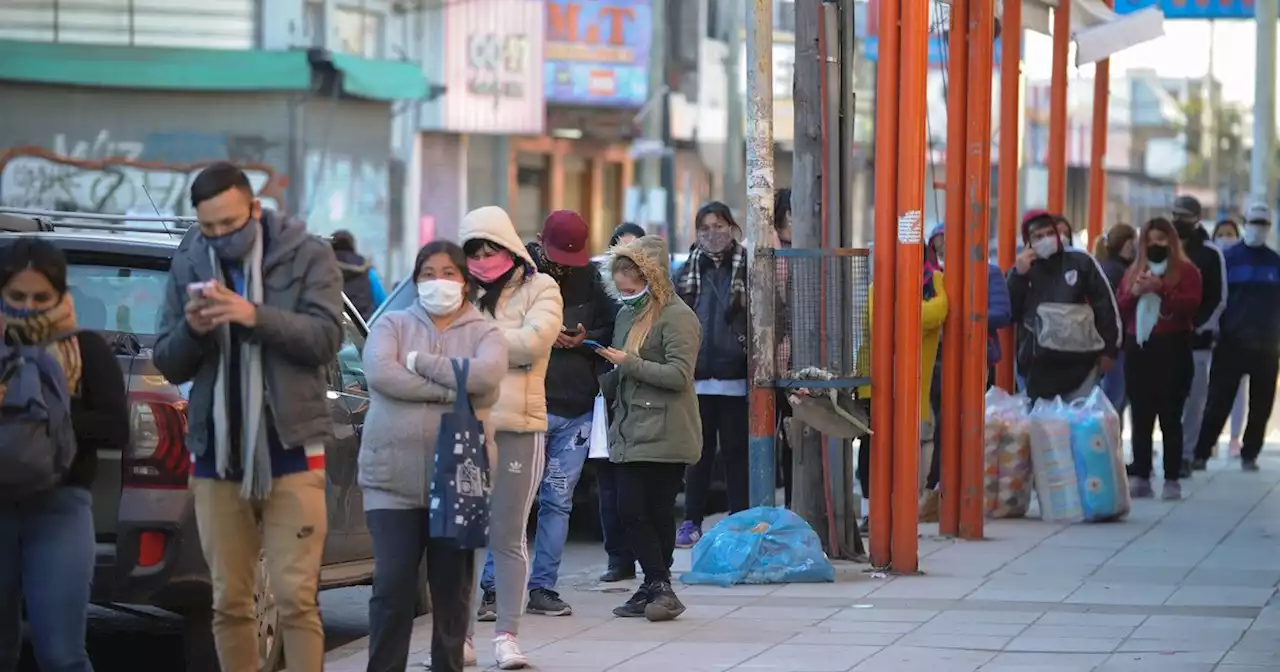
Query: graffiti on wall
point(116, 176)
point(345, 192)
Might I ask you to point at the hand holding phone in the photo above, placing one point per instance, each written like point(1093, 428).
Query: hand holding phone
point(196, 290)
point(594, 345)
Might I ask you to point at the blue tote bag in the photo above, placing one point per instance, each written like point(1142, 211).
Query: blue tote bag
point(460, 485)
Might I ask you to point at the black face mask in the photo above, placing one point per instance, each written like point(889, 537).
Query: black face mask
point(1184, 228)
point(1157, 253)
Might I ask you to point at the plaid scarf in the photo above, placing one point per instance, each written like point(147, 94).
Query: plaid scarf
point(60, 320)
point(689, 282)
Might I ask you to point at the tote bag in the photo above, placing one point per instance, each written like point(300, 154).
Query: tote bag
point(460, 485)
point(599, 446)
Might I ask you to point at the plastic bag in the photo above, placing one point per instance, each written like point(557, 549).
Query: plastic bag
point(1099, 460)
point(1052, 462)
point(1007, 456)
point(599, 444)
point(760, 545)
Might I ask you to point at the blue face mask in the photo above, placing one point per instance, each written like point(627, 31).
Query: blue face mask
point(236, 245)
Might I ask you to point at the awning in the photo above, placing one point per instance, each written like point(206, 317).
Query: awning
point(153, 68)
point(380, 80)
point(1098, 31)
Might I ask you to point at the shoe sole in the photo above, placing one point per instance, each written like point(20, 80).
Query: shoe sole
point(567, 611)
point(686, 545)
point(657, 614)
point(618, 579)
point(518, 664)
point(487, 616)
point(623, 613)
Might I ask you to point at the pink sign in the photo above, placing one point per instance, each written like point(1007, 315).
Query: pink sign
point(426, 229)
point(493, 67)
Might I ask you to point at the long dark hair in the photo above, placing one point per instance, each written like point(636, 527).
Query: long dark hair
point(37, 254)
point(449, 249)
point(1176, 256)
point(719, 209)
point(493, 290)
point(1224, 224)
point(1110, 243)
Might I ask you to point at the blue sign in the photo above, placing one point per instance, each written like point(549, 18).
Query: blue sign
point(596, 52)
point(1192, 9)
point(937, 50)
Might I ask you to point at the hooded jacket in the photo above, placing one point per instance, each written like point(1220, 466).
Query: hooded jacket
point(530, 314)
point(1252, 318)
point(397, 448)
point(998, 313)
point(655, 409)
point(357, 284)
point(933, 313)
point(299, 325)
point(1213, 297)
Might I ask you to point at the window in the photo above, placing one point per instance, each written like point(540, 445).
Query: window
point(313, 24)
point(118, 298)
point(358, 32)
point(350, 359)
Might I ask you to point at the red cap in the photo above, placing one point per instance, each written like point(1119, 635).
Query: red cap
point(564, 238)
point(1031, 216)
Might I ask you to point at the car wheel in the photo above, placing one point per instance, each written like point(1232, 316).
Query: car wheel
point(422, 602)
point(270, 644)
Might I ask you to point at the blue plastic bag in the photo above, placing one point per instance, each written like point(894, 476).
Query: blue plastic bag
point(760, 545)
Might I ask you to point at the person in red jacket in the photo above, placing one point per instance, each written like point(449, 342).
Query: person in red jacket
point(1158, 298)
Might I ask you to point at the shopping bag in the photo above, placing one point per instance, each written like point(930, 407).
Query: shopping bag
point(1007, 456)
point(1095, 447)
point(761, 545)
point(599, 445)
point(1053, 462)
point(460, 485)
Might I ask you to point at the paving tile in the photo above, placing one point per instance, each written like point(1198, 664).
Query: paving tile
point(1261, 640)
point(928, 587)
point(764, 612)
point(1220, 596)
point(960, 627)
point(587, 653)
point(1120, 593)
point(878, 614)
point(885, 627)
point(1045, 662)
point(1082, 631)
point(808, 658)
point(1267, 659)
point(1217, 642)
point(970, 615)
point(1257, 578)
point(687, 657)
point(921, 659)
point(975, 642)
point(1091, 618)
point(1028, 589)
point(1160, 662)
point(1108, 573)
point(845, 638)
point(849, 589)
point(1064, 644)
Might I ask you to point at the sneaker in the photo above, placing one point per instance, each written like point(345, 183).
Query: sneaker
point(1233, 448)
point(1172, 491)
point(468, 655)
point(688, 534)
point(634, 607)
point(1199, 464)
point(488, 610)
point(1185, 471)
point(1249, 465)
point(1140, 488)
point(547, 603)
point(930, 502)
point(507, 652)
point(616, 574)
point(663, 603)
point(864, 528)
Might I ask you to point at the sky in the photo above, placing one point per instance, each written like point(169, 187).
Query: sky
point(1182, 52)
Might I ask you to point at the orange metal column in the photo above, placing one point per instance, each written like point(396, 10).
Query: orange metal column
point(884, 261)
point(977, 240)
point(1007, 211)
point(912, 147)
point(1058, 107)
point(953, 330)
point(1098, 151)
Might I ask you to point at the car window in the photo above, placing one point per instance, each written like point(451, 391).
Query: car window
point(117, 298)
point(350, 359)
point(401, 297)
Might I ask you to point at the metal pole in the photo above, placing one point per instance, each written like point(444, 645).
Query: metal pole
point(760, 226)
point(953, 330)
point(912, 148)
point(1010, 115)
point(1058, 107)
point(735, 191)
point(1098, 149)
point(1210, 116)
point(650, 173)
point(977, 238)
point(1264, 107)
point(884, 268)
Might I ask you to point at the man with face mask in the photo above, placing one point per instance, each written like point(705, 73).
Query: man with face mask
point(1213, 299)
point(1052, 290)
point(1249, 342)
point(252, 318)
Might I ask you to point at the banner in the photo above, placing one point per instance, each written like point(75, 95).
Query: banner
point(597, 52)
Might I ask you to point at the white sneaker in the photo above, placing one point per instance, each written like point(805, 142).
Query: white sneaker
point(468, 655)
point(507, 652)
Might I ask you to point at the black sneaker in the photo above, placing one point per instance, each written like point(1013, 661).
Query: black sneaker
point(663, 603)
point(1185, 472)
point(1249, 465)
point(547, 603)
point(1199, 464)
point(616, 574)
point(865, 527)
point(488, 610)
point(634, 607)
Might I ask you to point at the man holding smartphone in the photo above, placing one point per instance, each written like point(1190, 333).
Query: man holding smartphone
point(252, 318)
point(562, 252)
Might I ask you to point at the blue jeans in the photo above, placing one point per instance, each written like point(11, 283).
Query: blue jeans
point(1113, 385)
point(46, 557)
point(567, 446)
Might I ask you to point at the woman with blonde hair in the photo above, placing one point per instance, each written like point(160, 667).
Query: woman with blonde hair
point(656, 430)
point(1114, 251)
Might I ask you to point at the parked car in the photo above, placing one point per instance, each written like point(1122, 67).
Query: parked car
point(148, 547)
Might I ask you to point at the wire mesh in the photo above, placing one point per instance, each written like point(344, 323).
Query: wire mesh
point(823, 315)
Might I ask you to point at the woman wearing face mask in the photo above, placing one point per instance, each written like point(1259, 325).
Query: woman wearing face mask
point(1158, 299)
point(1114, 252)
point(713, 282)
point(1226, 235)
point(408, 363)
point(656, 429)
point(527, 307)
point(48, 537)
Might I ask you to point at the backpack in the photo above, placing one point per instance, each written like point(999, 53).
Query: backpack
point(37, 442)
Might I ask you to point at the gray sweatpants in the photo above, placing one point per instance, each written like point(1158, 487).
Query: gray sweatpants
point(1193, 408)
point(516, 477)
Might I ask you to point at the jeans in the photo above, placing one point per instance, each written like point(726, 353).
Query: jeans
point(567, 443)
point(611, 525)
point(46, 558)
point(1113, 386)
point(1230, 364)
point(1158, 377)
point(399, 540)
point(1193, 410)
point(647, 497)
point(724, 425)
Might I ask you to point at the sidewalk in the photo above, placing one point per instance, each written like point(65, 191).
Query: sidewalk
point(1176, 587)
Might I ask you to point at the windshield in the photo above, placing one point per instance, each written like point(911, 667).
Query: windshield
point(117, 298)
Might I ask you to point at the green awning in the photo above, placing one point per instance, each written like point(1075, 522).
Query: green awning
point(380, 80)
point(154, 68)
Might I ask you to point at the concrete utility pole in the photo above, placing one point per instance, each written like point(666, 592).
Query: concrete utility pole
point(1210, 117)
point(1264, 104)
point(735, 173)
point(654, 122)
point(760, 229)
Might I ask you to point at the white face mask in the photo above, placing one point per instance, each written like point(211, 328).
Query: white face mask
point(1225, 242)
point(1045, 247)
point(440, 297)
point(1158, 269)
point(1255, 235)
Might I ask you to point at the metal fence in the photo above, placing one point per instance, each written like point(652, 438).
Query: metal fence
point(823, 318)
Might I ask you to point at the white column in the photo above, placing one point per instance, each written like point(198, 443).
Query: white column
point(1264, 108)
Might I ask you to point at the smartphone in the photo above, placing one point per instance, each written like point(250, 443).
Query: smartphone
point(569, 331)
point(594, 345)
point(196, 290)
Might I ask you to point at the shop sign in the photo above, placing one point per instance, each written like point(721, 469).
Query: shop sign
point(597, 52)
point(493, 58)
